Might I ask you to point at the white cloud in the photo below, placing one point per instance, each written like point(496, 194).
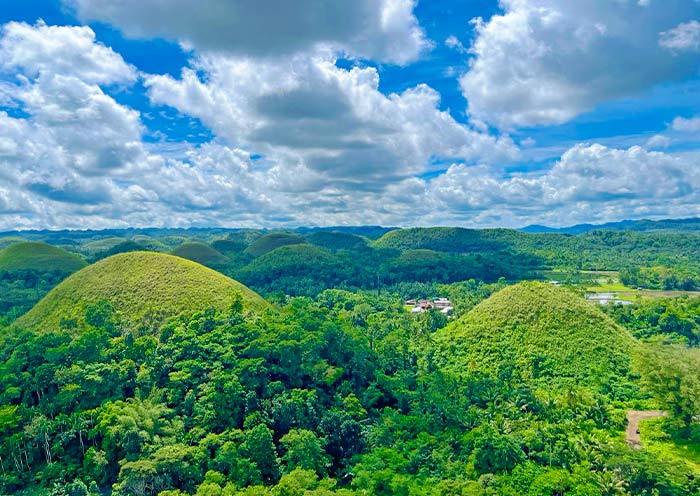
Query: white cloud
point(685, 36)
point(66, 50)
point(454, 43)
point(589, 182)
point(682, 124)
point(545, 61)
point(384, 30)
point(658, 141)
point(320, 124)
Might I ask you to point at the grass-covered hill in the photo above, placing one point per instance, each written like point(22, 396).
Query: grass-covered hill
point(299, 269)
point(200, 253)
point(336, 240)
point(448, 239)
point(39, 257)
point(228, 246)
point(269, 242)
point(543, 330)
point(141, 286)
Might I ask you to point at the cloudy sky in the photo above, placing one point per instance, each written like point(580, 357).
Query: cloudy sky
point(314, 112)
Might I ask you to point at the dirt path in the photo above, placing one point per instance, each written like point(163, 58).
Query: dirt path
point(633, 419)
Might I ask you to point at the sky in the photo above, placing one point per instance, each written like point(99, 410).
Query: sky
point(250, 113)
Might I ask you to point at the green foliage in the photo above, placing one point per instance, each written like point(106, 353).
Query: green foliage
point(269, 242)
point(662, 278)
point(39, 257)
point(200, 253)
point(299, 269)
point(672, 374)
point(145, 288)
point(343, 394)
point(334, 241)
point(542, 331)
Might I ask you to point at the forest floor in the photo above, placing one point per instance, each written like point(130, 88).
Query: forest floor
point(633, 419)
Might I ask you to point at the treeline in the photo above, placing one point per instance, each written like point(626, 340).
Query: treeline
point(664, 278)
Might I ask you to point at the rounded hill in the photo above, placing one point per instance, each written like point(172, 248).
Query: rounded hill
point(269, 242)
point(40, 257)
point(335, 240)
point(141, 286)
point(300, 269)
point(543, 331)
point(448, 239)
point(200, 253)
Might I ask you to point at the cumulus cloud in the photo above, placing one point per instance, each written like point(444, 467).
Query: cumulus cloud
point(545, 61)
point(684, 125)
point(384, 30)
point(589, 182)
point(66, 50)
point(322, 124)
point(685, 36)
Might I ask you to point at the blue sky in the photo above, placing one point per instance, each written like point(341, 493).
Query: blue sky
point(394, 112)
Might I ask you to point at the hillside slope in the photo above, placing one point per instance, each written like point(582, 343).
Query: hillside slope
point(139, 285)
point(40, 257)
point(200, 253)
point(265, 244)
point(543, 330)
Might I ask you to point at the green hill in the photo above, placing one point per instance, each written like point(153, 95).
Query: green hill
point(269, 242)
point(228, 246)
point(450, 239)
point(139, 285)
point(39, 257)
point(334, 240)
point(200, 253)
point(543, 330)
point(300, 269)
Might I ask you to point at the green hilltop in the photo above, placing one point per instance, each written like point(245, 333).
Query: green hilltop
point(334, 240)
point(139, 285)
point(40, 257)
point(269, 242)
point(200, 253)
point(545, 331)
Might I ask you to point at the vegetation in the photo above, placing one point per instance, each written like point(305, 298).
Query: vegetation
point(200, 253)
point(269, 242)
point(144, 287)
point(543, 332)
point(147, 374)
point(38, 257)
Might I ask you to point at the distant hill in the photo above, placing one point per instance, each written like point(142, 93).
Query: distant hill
point(228, 246)
point(299, 269)
point(142, 286)
point(643, 225)
point(369, 232)
point(39, 257)
point(269, 242)
point(547, 332)
point(335, 240)
point(449, 239)
point(200, 253)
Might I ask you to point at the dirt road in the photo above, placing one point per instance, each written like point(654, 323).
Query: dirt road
point(633, 419)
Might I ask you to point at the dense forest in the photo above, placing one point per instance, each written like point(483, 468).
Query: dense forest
point(146, 373)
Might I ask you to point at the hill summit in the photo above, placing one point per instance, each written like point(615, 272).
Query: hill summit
point(40, 257)
point(543, 330)
point(140, 285)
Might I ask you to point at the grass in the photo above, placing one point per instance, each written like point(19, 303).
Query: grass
point(657, 441)
point(139, 285)
point(200, 253)
point(544, 330)
point(40, 257)
point(269, 242)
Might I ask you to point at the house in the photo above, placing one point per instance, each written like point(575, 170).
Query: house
point(442, 304)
